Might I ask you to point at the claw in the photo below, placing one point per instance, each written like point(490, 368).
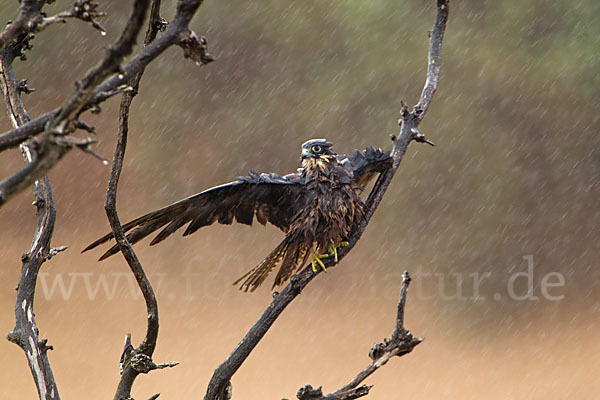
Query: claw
point(333, 249)
point(316, 259)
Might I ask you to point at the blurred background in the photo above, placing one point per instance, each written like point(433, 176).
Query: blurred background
point(498, 224)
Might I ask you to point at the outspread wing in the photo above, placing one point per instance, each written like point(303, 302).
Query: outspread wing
point(269, 197)
point(365, 164)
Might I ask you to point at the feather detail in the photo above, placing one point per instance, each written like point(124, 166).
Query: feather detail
point(259, 273)
point(291, 263)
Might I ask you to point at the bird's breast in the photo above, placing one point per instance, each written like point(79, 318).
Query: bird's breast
point(330, 214)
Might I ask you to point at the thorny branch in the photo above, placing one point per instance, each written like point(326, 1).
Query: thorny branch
point(25, 332)
point(219, 386)
point(138, 360)
point(92, 91)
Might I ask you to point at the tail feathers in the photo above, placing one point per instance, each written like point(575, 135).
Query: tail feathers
point(294, 259)
point(258, 274)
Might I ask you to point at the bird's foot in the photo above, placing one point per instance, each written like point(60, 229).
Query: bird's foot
point(333, 249)
point(316, 259)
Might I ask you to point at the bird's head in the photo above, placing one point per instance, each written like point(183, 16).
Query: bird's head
point(316, 148)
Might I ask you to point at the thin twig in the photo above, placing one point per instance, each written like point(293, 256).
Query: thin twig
point(408, 132)
point(434, 58)
point(85, 10)
point(401, 305)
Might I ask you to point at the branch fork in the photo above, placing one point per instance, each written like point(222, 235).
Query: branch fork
point(138, 361)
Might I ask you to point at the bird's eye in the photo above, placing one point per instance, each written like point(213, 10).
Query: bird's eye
point(316, 149)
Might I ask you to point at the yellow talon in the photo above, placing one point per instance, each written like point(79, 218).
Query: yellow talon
point(316, 259)
point(333, 249)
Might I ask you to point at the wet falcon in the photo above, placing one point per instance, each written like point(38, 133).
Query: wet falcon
point(317, 207)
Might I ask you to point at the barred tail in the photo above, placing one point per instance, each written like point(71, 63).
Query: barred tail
point(258, 274)
point(294, 258)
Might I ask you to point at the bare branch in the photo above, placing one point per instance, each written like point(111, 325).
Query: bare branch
point(25, 332)
point(15, 137)
point(85, 10)
point(408, 132)
point(406, 279)
point(434, 58)
point(401, 343)
point(138, 360)
point(61, 120)
point(106, 67)
point(176, 33)
point(42, 159)
point(309, 393)
point(50, 150)
point(23, 24)
point(11, 90)
point(131, 361)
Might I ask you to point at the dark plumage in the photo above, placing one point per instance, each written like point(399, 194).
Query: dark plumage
point(317, 207)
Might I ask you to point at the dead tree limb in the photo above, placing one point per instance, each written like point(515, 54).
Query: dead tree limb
point(25, 332)
point(138, 360)
point(134, 360)
point(41, 154)
point(400, 343)
point(219, 385)
point(91, 91)
point(131, 358)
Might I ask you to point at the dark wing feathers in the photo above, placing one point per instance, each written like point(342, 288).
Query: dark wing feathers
point(364, 164)
point(270, 197)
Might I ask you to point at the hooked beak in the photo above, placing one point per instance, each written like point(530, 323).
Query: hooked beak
point(305, 153)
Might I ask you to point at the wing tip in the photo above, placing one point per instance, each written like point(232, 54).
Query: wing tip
point(92, 245)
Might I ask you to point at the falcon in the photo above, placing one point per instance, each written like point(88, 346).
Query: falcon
point(317, 208)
